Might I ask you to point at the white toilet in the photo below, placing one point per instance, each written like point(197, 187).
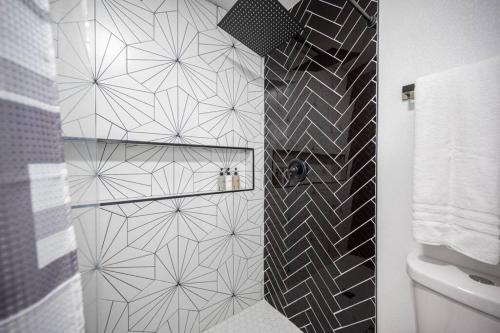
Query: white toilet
point(448, 300)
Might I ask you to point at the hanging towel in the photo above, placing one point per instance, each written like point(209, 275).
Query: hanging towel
point(456, 198)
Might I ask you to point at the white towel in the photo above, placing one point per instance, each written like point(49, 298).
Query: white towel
point(456, 185)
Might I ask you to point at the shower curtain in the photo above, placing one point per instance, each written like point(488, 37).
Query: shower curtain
point(40, 288)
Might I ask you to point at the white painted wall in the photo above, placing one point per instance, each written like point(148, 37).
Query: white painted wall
point(417, 38)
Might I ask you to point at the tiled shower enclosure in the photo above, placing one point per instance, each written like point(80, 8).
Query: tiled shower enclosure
point(155, 99)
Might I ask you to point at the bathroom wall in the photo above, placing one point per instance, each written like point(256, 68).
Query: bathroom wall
point(416, 38)
point(160, 71)
point(320, 94)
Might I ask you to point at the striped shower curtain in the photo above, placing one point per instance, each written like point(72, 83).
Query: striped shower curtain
point(40, 287)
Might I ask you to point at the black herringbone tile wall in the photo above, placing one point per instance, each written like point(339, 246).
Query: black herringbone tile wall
point(321, 107)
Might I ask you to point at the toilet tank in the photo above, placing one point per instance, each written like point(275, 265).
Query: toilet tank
point(448, 300)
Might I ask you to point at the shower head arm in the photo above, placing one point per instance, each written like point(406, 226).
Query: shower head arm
point(370, 20)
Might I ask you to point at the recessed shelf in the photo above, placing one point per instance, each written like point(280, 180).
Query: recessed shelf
point(105, 172)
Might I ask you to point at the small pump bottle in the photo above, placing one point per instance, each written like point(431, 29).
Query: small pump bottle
point(236, 180)
point(228, 180)
point(221, 181)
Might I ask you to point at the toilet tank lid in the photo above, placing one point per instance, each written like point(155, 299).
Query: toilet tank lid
point(455, 282)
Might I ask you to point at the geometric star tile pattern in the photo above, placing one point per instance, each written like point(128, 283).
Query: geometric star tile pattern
point(320, 96)
point(151, 70)
point(160, 71)
point(144, 267)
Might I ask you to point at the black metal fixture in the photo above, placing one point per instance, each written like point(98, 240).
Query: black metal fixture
point(260, 25)
point(297, 170)
point(264, 25)
point(408, 92)
point(371, 21)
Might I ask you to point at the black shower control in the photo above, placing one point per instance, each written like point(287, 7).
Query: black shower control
point(297, 170)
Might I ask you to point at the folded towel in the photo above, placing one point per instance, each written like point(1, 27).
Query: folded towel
point(456, 190)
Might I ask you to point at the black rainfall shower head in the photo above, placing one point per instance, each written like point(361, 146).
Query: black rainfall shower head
point(260, 25)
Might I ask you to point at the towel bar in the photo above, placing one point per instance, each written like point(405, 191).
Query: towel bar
point(408, 92)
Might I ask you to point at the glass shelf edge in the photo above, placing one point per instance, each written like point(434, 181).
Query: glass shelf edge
point(153, 143)
point(170, 197)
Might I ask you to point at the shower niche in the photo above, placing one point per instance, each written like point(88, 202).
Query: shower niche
point(107, 172)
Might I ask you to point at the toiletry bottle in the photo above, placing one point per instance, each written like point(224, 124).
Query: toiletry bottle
point(221, 181)
point(229, 180)
point(236, 180)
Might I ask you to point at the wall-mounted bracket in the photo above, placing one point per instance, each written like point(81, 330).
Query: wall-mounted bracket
point(408, 92)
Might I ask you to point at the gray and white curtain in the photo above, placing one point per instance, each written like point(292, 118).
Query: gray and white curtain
point(40, 288)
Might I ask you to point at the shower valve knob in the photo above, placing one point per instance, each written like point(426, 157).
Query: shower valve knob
point(297, 170)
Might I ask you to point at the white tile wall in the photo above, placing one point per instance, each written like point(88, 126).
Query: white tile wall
point(157, 70)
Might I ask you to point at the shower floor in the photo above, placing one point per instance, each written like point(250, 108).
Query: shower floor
point(259, 318)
